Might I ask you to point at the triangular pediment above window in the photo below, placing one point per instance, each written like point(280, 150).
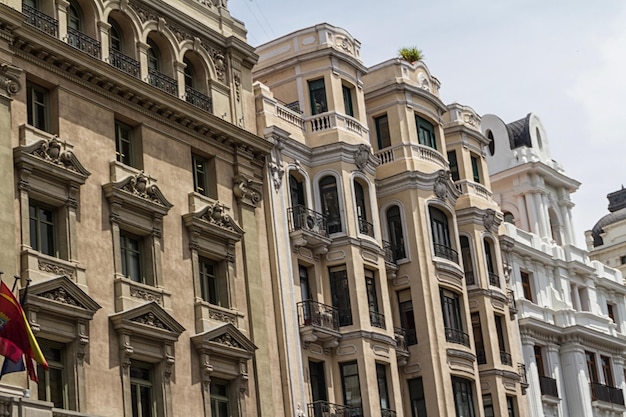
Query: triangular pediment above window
point(214, 221)
point(61, 296)
point(138, 191)
point(51, 157)
point(225, 340)
point(149, 320)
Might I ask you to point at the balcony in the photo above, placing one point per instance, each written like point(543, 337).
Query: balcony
point(41, 21)
point(385, 412)
point(318, 321)
point(505, 358)
point(377, 319)
point(494, 280)
point(548, 386)
point(366, 227)
point(198, 99)
point(469, 278)
point(446, 252)
point(124, 63)
point(326, 409)
point(457, 336)
point(308, 228)
point(607, 394)
point(83, 42)
point(481, 357)
point(162, 82)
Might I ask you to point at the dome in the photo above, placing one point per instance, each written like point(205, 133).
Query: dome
point(617, 208)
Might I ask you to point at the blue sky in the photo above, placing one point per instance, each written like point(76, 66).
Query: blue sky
point(563, 60)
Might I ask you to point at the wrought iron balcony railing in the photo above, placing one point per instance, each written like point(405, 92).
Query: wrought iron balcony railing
point(302, 218)
point(41, 21)
point(469, 278)
point(505, 358)
point(494, 279)
point(548, 386)
point(326, 409)
point(377, 319)
point(481, 358)
point(162, 82)
point(312, 313)
point(124, 63)
point(606, 393)
point(387, 413)
point(198, 99)
point(446, 252)
point(366, 227)
point(457, 336)
point(82, 42)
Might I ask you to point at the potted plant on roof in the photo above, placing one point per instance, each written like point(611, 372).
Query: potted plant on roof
point(411, 54)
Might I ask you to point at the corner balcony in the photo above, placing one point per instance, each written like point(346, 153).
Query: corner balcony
point(318, 322)
point(446, 252)
point(365, 227)
point(415, 152)
point(308, 228)
point(377, 320)
point(494, 280)
point(333, 120)
point(326, 409)
point(457, 336)
point(506, 358)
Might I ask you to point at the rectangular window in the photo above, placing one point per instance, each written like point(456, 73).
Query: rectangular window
point(200, 175)
point(141, 390)
point(340, 292)
point(213, 283)
point(607, 373)
point(52, 383)
point(376, 319)
point(451, 310)
point(505, 357)
point(417, 398)
point(383, 135)
point(350, 384)
point(463, 397)
point(510, 406)
point(37, 102)
point(381, 378)
point(347, 100)
point(407, 318)
point(610, 312)
point(220, 400)
point(454, 165)
point(317, 93)
point(528, 294)
point(592, 367)
point(42, 225)
point(475, 169)
point(124, 144)
point(539, 361)
point(318, 383)
point(132, 257)
point(479, 343)
point(425, 132)
point(488, 405)
point(622, 260)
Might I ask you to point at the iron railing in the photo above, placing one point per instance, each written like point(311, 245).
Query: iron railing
point(302, 218)
point(312, 313)
point(326, 409)
point(505, 358)
point(385, 412)
point(377, 319)
point(366, 227)
point(481, 357)
point(444, 251)
point(124, 63)
point(606, 393)
point(198, 99)
point(82, 42)
point(548, 386)
point(469, 278)
point(457, 336)
point(494, 279)
point(162, 82)
point(41, 21)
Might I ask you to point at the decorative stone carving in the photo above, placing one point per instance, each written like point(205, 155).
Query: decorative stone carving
point(220, 64)
point(227, 340)
point(143, 13)
point(247, 190)
point(55, 151)
point(56, 269)
point(222, 316)
point(275, 165)
point(11, 79)
point(215, 215)
point(144, 295)
point(139, 185)
point(237, 82)
point(361, 157)
point(61, 295)
point(489, 219)
point(441, 185)
point(149, 319)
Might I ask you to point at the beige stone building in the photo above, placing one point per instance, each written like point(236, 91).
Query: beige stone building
point(132, 199)
point(389, 279)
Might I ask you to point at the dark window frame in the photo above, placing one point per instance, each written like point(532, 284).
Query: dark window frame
point(383, 134)
point(347, 100)
point(463, 397)
point(350, 371)
point(425, 132)
point(317, 96)
point(38, 106)
point(42, 216)
point(142, 384)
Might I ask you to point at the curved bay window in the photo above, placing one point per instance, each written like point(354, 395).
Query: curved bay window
point(360, 196)
point(440, 229)
point(396, 234)
point(329, 197)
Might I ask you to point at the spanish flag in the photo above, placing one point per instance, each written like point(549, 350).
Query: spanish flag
point(16, 336)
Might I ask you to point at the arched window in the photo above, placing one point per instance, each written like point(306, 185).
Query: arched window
point(442, 244)
point(360, 197)
point(330, 203)
point(74, 17)
point(153, 56)
point(189, 74)
point(555, 227)
point(508, 217)
point(115, 37)
point(468, 264)
point(396, 234)
point(492, 142)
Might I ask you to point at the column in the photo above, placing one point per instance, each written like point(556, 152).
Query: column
point(532, 375)
point(62, 6)
point(555, 371)
point(532, 214)
point(142, 48)
point(104, 28)
point(523, 214)
point(576, 395)
point(179, 76)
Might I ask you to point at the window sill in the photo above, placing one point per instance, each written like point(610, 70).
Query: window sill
point(40, 267)
point(207, 316)
point(130, 294)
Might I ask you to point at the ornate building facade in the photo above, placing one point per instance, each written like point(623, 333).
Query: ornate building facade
point(571, 309)
point(605, 241)
point(132, 201)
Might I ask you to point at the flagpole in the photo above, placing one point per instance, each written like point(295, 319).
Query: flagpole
point(14, 283)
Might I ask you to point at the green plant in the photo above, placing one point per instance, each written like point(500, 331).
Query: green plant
point(411, 54)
